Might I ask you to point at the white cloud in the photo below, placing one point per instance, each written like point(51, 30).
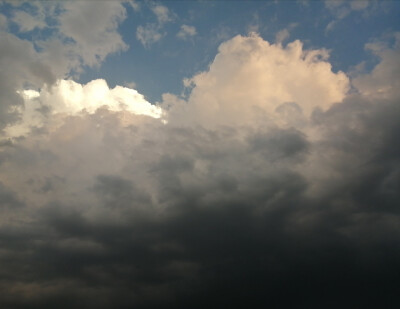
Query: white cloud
point(94, 28)
point(149, 34)
point(250, 78)
point(26, 22)
point(70, 98)
point(153, 32)
point(186, 32)
point(383, 81)
point(163, 13)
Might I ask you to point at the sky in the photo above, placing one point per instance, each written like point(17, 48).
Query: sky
point(199, 154)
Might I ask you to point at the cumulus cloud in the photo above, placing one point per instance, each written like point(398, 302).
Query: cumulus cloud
point(269, 184)
point(71, 98)
point(249, 80)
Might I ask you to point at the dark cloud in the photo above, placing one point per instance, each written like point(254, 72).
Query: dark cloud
point(280, 144)
point(8, 198)
point(219, 205)
point(116, 192)
point(230, 233)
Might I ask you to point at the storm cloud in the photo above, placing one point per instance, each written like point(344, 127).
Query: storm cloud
point(281, 195)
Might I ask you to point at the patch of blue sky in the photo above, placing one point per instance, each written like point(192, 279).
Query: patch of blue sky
point(161, 66)
point(37, 34)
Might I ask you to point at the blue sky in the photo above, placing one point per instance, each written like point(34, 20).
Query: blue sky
point(162, 66)
point(342, 27)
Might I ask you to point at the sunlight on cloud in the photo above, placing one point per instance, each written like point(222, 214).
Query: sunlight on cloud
point(250, 77)
point(70, 98)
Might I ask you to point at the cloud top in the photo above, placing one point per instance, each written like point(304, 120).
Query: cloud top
point(250, 76)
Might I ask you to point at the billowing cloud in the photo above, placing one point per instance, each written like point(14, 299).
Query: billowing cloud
point(70, 98)
point(250, 78)
point(269, 184)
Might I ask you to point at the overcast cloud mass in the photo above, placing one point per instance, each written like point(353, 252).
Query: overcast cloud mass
point(272, 180)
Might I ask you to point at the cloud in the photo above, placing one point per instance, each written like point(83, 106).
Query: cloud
point(186, 32)
point(149, 34)
point(93, 28)
point(163, 13)
point(383, 81)
point(134, 4)
point(341, 9)
point(27, 22)
point(71, 98)
point(3, 22)
point(284, 34)
point(269, 184)
point(19, 64)
point(8, 199)
point(248, 80)
point(153, 32)
point(80, 35)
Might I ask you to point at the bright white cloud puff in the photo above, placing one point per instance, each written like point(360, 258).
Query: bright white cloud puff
point(251, 77)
